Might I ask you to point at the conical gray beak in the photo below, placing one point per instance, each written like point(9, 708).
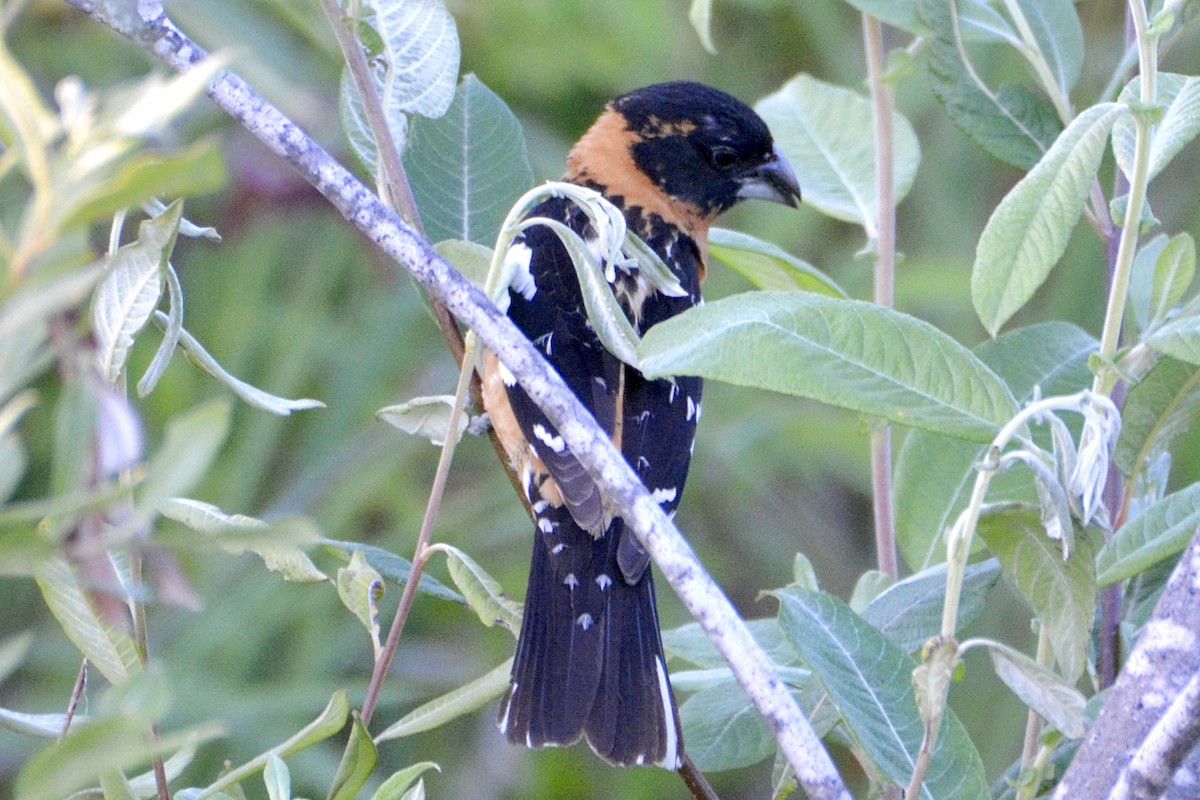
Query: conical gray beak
point(773, 181)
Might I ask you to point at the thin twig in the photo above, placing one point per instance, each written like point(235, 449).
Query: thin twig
point(885, 281)
point(420, 555)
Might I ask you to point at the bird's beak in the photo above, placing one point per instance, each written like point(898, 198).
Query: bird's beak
point(773, 181)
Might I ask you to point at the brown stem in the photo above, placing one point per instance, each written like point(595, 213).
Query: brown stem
point(885, 282)
point(695, 781)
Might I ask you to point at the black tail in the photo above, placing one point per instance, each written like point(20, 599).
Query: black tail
point(589, 661)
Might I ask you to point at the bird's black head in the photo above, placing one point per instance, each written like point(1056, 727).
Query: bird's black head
point(704, 147)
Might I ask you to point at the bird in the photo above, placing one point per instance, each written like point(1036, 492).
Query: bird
point(589, 660)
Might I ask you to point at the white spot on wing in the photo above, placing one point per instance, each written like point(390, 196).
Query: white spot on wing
point(540, 506)
point(585, 621)
point(661, 496)
point(516, 264)
point(603, 581)
point(557, 549)
point(553, 441)
point(571, 581)
point(691, 412)
point(507, 376)
point(546, 525)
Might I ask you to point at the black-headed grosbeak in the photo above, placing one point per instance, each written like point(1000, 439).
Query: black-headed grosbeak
point(589, 662)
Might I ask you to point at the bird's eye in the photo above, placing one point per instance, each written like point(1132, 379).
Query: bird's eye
point(723, 157)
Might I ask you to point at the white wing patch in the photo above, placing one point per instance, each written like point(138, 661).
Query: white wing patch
point(661, 496)
point(553, 441)
point(516, 265)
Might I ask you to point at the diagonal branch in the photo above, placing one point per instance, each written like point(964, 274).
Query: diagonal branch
point(700, 594)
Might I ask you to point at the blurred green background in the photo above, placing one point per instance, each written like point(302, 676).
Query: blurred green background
point(296, 302)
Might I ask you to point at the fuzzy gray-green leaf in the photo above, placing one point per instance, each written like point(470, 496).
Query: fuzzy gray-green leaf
point(1179, 125)
point(1158, 533)
point(131, 288)
point(1028, 231)
point(469, 166)
point(1062, 592)
point(869, 680)
point(825, 131)
point(846, 353)
point(767, 265)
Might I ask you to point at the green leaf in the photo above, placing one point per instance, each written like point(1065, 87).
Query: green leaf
point(190, 444)
point(869, 586)
point(46, 726)
point(767, 265)
point(278, 544)
point(472, 260)
point(418, 55)
point(395, 787)
point(1179, 125)
point(111, 651)
point(392, 567)
point(1014, 125)
point(330, 721)
point(1059, 703)
point(1028, 231)
point(910, 612)
point(358, 760)
point(1157, 410)
point(1180, 338)
point(723, 730)
point(131, 288)
point(900, 14)
point(826, 133)
point(13, 650)
point(469, 167)
point(1173, 273)
point(199, 169)
point(934, 473)
point(847, 353)
point(357, 128)
point(115, 786)
point(24, 316)
point(466, 699)
point(1142, 282)
point(1062, 593)
point(1059, 38)
point(690, 643)
point(485, 596)
point(250, 395)
point(112, 744)
point(700, 15)
point(174, 328)
point(869, 680)
point(1161, 531)
point(427, 417)
point(277, 779)
point(360, 587)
